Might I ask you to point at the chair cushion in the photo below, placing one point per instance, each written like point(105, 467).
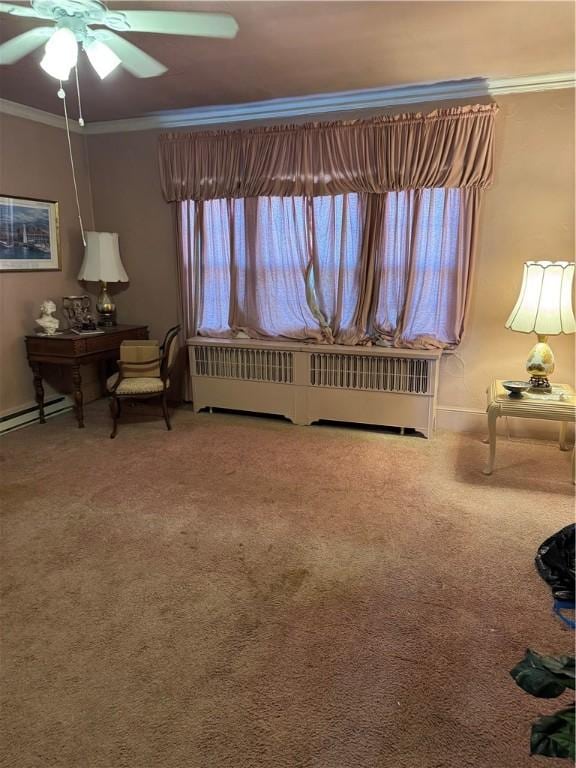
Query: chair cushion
point(145, 385)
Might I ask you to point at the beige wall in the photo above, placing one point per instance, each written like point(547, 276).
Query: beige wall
point(127, 200)
point(34, 163)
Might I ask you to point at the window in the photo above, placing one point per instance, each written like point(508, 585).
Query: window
point(344, 268)
point(418, 277)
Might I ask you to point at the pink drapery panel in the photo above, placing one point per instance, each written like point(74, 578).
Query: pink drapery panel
point(187, 268)
point(446, 148)
point(187, 271)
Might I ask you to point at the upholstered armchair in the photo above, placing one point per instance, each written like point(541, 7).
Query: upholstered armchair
point(123, 387)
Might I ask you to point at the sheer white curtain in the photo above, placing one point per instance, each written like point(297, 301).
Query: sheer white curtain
point(214, 269)
point(337, 247)
point(252, 258)
point(423, 268)
point(269, 264)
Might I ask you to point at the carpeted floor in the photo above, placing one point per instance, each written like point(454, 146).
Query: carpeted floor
point(244, 593)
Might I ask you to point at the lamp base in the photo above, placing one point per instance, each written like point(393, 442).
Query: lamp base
point(106, 308)
point(540, 384)
point(540, 365)
point(107, 320)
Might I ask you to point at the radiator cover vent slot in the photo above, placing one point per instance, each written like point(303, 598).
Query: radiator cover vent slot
point(244, 364)
point(371, 373)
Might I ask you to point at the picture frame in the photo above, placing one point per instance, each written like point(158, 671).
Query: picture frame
point(29, 235)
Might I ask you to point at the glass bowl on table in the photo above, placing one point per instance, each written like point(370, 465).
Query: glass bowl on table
point(516, 388)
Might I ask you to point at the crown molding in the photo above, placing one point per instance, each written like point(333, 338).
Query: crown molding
point(314, 105)
point(36, 115)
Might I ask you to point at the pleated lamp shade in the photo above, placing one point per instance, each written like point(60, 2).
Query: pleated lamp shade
point(102, 259)
point(544, 305)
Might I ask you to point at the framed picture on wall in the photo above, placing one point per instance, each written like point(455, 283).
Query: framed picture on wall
point(29, 236)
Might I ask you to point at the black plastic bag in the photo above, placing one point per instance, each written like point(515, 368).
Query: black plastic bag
point(555, 563)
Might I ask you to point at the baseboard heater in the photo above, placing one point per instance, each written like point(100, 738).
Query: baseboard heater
point(30, 413)
point(309, 382)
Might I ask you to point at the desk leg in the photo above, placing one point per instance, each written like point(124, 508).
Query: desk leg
point(492, 416)
point(39, 389)
point(78, 397)
point(563, 436)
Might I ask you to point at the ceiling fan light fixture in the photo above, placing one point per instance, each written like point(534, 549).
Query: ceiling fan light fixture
point(102, 58)
point(74, 21)
point(61, 54)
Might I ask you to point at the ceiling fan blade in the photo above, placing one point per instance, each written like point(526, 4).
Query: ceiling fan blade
point(20, 46)
point(135, 60)
point(20, 10)
point(182, 23)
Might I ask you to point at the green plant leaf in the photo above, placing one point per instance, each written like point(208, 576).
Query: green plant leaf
point(544, 676)
point(553, 735)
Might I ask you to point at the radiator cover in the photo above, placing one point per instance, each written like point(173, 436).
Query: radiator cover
point(309, 382)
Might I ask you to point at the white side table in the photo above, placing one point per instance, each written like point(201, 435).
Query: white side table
point(559, 405)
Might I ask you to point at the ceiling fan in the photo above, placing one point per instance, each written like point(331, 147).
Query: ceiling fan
point(73, 22)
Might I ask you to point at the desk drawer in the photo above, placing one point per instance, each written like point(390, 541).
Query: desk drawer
point(74, 347)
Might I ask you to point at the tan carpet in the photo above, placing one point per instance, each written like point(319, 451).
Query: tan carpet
point(244, 593)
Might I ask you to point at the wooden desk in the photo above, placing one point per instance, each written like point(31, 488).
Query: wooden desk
point(559, 405)
point(73, 350)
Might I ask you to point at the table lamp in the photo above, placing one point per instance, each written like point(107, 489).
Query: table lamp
point(102, 264)
point(544, 307)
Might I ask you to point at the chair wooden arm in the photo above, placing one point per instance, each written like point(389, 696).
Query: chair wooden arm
point(120, 378)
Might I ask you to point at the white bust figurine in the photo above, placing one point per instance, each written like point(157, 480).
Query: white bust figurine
point(47, 321)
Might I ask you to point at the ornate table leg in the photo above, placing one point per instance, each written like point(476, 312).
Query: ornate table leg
point(563, 436)
point(39, 389)
point(492, 416)
point(78, 397)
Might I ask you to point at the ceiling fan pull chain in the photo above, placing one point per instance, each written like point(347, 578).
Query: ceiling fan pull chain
point(62, 95)
point(80, 118)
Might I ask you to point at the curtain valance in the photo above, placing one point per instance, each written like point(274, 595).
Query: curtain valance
point(445, 148)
